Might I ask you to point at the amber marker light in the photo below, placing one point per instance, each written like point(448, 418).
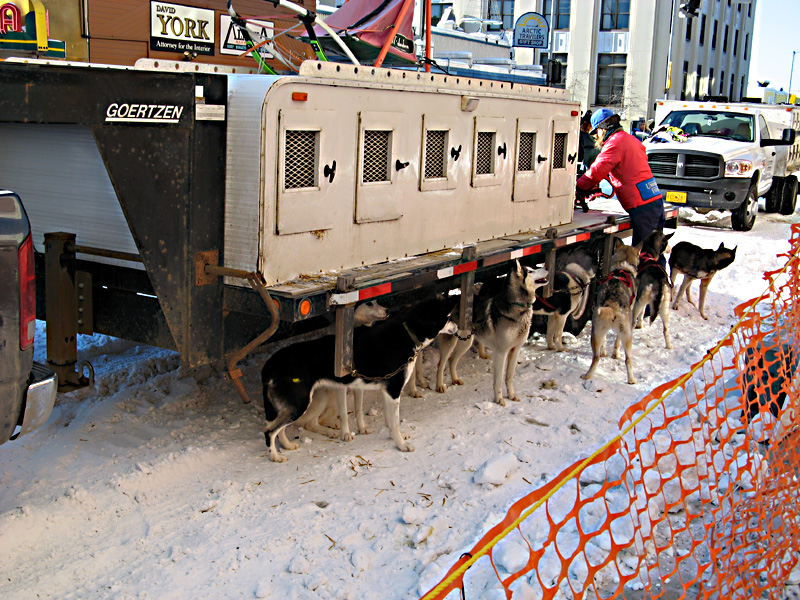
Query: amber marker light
point(305, 308)
point(300, 96)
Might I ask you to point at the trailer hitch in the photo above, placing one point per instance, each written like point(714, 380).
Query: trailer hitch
point(256, 281)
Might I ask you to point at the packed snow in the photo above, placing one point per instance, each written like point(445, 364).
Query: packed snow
point(156, 483)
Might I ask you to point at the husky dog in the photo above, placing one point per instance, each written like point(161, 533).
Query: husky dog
point(383, 359)
point(323, 408)
point(653, 287)
point(613, 309)
point(575, 269)
point(501, 322)
point(695, 262)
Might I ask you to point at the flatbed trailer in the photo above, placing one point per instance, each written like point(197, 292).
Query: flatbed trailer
point(166, 207)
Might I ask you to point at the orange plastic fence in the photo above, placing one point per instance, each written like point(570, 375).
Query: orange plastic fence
point(697, 497)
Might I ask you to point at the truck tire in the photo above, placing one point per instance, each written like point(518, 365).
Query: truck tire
point(774, 198)
point(789, 196)
point(744, 217)
point(575, 325)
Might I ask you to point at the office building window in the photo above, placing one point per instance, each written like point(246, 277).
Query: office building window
point(501, 11)
point(610, 78)
point(561, 16)
point(730, 90)
point(722, 83)
point(437, 10)
point(710, 86)
point(689, 29)
point(725, 40)
point(735, 42)
point(741, 88)
point(685, 84)
point(750, 10)
point(746, 44)
point(714, 35)
point(698, 76)
point(702, 30)
point(616, 15)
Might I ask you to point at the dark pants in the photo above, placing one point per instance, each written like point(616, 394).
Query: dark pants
point(645, 220)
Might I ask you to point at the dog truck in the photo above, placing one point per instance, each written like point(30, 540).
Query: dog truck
point(726, 155)
point(193, 208)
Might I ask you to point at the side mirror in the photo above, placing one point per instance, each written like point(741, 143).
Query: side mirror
point(787, 139)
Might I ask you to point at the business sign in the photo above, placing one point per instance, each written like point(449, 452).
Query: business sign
point(531, 31)
point(28, 32)
point(177, 28)
point(231, 40)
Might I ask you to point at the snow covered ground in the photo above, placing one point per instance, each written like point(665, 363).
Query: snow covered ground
point(157, 482)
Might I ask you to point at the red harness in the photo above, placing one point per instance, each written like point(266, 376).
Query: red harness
point(648, 261)
point(623, 276)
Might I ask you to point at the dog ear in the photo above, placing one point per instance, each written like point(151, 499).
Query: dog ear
point(638, 246)
point(667, 237)
point(721, 246)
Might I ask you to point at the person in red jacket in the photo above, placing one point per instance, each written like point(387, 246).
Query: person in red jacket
point(623, 161)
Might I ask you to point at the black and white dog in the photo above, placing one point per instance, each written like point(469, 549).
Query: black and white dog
point(574, 270)
point(383, 357)
point(653, 287)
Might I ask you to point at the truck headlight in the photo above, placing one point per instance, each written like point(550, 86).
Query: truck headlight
point(738, 168)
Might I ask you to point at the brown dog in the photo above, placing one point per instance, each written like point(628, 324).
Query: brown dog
point(613, 309)
point(694, 262)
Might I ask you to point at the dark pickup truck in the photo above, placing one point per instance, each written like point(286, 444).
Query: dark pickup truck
point(27, 389)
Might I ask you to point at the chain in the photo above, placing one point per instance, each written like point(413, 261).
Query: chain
point(358, 375)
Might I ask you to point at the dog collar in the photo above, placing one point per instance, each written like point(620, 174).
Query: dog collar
point(544, 301)
point(623, 276)
point(412, 336)
point(522, 304)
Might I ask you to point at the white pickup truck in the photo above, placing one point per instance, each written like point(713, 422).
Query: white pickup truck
point(721, 155)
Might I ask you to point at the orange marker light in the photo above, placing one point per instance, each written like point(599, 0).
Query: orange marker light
point(305, 307)
point(299, 96)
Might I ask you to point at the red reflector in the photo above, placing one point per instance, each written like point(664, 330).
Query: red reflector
point(27, 295)
point(299, 96)
point(574, 113)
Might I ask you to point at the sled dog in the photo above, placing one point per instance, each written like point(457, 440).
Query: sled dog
point(383, 357)
point(653, 287)
point(694, 262)
point(501, 321)
point(613, 309)
point(322, 414)
point(575, 269)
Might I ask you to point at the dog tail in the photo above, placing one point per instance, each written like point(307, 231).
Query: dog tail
point(581, 306)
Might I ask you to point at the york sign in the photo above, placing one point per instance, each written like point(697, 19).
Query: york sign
point(177, 28)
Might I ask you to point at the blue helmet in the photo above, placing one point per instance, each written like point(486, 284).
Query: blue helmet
point(599, 116)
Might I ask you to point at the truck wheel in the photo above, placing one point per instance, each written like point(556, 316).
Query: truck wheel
point(789, 200)
point(744, 217)
point(575, 325)
point(774, 198)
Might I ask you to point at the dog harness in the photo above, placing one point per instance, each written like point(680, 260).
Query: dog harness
point(623, 276)
point(648, 261)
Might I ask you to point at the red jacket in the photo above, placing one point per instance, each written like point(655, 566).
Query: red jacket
point(623, 161)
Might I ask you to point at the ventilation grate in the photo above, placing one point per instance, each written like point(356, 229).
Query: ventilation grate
point(484, 158)
point(376, 156)
point(435, 148)
point(559, 150)
point(527, 143)
point(300, 158)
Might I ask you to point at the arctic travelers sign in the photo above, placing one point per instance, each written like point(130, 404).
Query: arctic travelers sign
point(531, 31)
point(176, 28)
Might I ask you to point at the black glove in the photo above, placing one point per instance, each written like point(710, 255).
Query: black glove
point(581, 195)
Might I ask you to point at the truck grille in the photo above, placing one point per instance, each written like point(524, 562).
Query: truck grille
point(675, 164)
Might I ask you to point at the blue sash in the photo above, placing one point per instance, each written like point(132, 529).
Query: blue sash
point(648, 189)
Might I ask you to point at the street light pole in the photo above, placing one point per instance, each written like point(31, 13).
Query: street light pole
point(792, 72)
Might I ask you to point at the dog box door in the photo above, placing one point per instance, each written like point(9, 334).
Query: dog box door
point(307, 170)
point(445, 146)
point(386, 171)
point(530, 160)
point(490, 149)
point(562, 170)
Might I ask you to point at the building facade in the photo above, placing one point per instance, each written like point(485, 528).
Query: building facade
point(626, 54)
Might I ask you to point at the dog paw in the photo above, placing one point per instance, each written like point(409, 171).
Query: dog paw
point(441, 389)
point(484, 355)
point(515, 398)
point(632, 381)
point(424, 384)
point(501, 401)
point(586, 376)
point(457, 382)
point(406, 448)
point(415, 394)
point(291, 446)
point(279, 458)
point(365, 431)
point(348, 437)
